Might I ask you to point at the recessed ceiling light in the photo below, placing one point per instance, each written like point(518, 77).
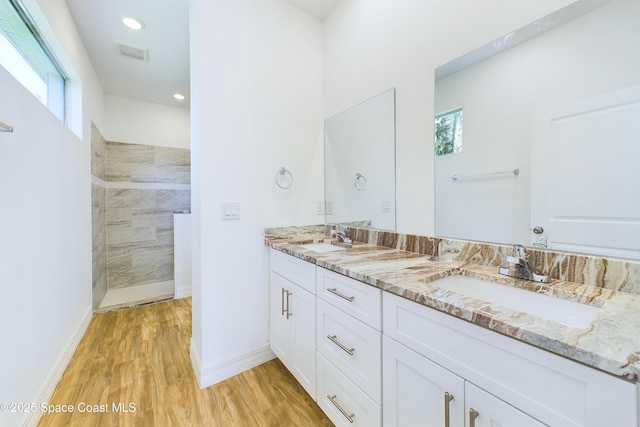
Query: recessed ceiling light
point(178, 96)
point(132, 23)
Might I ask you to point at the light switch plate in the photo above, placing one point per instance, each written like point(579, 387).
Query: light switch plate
point(230, 211)
point(329, 207)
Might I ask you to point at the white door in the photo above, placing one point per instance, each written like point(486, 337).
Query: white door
point(486, 410)
point(418, 392)
point(585, 186)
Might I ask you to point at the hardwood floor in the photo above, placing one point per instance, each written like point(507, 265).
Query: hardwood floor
point(140, 356)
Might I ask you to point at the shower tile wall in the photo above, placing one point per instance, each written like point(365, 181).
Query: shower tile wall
point(98, 216)
point(146, 184)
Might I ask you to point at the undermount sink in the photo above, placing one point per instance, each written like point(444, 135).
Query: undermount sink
point(548, 307)
point(322, 247)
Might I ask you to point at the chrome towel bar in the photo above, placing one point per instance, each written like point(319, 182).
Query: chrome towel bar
point(5, 127)
point(514, 172)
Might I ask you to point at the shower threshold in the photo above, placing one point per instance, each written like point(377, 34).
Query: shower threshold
point(133, 296)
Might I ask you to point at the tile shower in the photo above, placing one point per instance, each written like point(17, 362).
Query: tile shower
point(135, 191)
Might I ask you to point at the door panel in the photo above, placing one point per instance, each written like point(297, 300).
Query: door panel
point(414, 390)
point(585, 177)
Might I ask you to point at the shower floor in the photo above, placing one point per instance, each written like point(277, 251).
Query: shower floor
point(136, 295)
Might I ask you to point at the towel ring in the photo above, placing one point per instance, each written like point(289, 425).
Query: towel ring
point(281, 178)
point(360, 182)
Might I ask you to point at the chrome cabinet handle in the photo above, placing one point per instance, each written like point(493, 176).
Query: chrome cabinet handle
point(447, 399)
point(332, 398)
point(473, 414)
point(289, 314)
point(342, 346)
point(335, 292)
point(282, 302)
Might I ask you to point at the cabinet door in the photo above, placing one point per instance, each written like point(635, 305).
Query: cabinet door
point(302, 316)
point(279, 326)
point(485, 410)
point(418, 392)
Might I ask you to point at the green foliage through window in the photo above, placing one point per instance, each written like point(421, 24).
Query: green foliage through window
point(448, 131)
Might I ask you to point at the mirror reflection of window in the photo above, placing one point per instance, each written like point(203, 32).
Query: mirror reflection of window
point(448, 132)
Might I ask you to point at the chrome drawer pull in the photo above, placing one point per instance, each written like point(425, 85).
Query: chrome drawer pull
point(447, 399)
point(289, 314)
point(284, 310)
point(348, 416)
point(473, 414)
point(335, 292)
point(342, 346)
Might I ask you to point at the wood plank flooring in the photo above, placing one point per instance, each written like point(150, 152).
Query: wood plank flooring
point(140, 356)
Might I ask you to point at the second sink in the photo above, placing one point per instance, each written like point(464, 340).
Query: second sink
point(322, 247)
point(548, 307)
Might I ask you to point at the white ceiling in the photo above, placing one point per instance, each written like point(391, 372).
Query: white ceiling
point(318, 8)
point(165, 35)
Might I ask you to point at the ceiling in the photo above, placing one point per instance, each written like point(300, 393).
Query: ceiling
point(165, 35)
point(318, 8)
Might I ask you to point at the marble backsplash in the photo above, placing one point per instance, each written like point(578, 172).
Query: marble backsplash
point(608, 273)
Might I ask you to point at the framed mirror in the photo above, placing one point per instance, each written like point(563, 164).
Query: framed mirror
point(360, 174)
point(548, 152)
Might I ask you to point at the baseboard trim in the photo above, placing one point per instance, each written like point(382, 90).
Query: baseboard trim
point(50, 383)
point(212, 374)
point(183, 292)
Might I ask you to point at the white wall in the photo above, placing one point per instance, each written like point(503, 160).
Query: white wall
point(256, 91)
point(45, 226)
point(141, 122)
point(373, 45)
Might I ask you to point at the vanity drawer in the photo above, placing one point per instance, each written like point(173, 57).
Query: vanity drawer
point(343, 402)
point(300, 272)
point(355, 298)
point(352, 346)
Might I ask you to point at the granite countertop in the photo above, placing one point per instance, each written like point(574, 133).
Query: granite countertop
point(610, 343)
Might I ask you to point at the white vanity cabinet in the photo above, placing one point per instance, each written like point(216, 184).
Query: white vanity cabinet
point(419, 392)
point(292, 317)
point(348, 341)
point(343, 340)
point(506, 382)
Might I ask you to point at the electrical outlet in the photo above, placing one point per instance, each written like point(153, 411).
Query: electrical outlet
point(320, 208)
point(386, 206)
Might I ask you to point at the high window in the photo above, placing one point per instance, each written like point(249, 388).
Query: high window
point(25, 54)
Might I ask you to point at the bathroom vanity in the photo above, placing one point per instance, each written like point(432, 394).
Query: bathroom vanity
point(346, 320)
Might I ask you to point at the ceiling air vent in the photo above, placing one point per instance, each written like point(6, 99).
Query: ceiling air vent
point(133, 52)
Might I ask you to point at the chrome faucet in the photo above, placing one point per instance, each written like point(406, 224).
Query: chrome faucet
point(341, 233)
point(518, 266)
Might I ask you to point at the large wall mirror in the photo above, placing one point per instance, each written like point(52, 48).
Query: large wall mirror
point(360, 174)
point(546, 144)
